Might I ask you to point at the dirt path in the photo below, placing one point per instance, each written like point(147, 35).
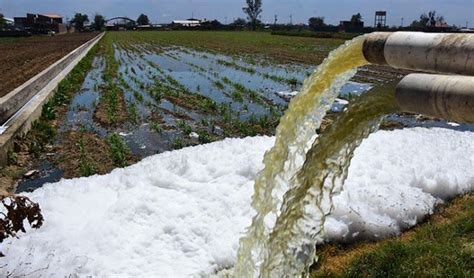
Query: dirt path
point(22, 59)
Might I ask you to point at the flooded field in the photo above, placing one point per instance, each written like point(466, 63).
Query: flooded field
point(146, 93)
point(175, 97)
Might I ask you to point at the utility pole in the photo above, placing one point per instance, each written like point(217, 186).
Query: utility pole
point(276, 20)
point(467, 24)
point(402, 22)
point(291, 19)
point(225, 20)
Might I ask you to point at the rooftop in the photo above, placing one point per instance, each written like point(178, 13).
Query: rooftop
point(57, 16)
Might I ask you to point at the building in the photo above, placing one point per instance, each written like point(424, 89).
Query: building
point(191, 22)
point(41, 23)
point(9, 21)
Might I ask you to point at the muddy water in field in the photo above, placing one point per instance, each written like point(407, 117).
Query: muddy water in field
point(82, 107)
point(240, 90)
point(245, 90)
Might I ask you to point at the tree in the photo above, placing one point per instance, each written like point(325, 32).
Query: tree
point(213, 24)
point(356, 19)
point(239, 22)
point(316, 22)
point(99, 22)
point(253, 10)
point(428, 20)
point(143, 20)
point(79, 20)
point(2, 20)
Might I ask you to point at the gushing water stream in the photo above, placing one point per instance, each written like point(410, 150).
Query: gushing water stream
point(282, 238)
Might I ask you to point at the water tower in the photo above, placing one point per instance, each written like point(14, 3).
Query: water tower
point(380, 19)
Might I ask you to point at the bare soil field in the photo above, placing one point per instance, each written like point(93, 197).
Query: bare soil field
point(22, 59)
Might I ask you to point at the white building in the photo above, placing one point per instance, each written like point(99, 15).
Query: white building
point(187, 23)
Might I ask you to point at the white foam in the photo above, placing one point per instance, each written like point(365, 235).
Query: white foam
point(181, 213)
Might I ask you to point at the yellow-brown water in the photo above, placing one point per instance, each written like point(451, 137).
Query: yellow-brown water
point(281, 240)
point(291, 244)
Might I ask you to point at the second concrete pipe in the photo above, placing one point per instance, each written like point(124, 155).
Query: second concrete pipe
point(449, 97)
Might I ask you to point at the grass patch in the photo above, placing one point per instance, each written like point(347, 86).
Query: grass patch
point(440, 247)
point(118, 150)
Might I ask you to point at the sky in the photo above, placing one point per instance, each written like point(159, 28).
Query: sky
point(164, 11)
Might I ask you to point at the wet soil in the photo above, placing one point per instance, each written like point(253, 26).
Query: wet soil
point(120, 115)
point(94, 151)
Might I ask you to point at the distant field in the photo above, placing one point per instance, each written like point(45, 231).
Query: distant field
point(279, 48)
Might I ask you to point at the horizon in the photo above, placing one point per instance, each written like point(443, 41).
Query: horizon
point(455, 12)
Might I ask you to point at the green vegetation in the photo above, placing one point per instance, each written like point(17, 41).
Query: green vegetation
point(111, 109)
point(10, 40)
point(253, 11)
point(318, 35)
point(133, 113)
point(118, 149)
point(185, 128)
point(428, 20)
point(316, 22)
point(156, 127)
point(237, 96)
point(236, 66)
point(87, 168)
point(204, 137)
point(241, 90)
point(178, 144)
point(281, 49)
point(143, 20)
point(291, 81)
point(2, 20)
point(79, 21)
point(441, 247)
point(99, 22)
point(41, 134)
point(43, 131)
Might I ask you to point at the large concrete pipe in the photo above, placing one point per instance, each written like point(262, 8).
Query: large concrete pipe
point(433, 52)
point(449, 97)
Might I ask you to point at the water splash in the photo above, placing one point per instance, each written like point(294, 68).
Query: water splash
point(292, 242)
point(297, 128)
